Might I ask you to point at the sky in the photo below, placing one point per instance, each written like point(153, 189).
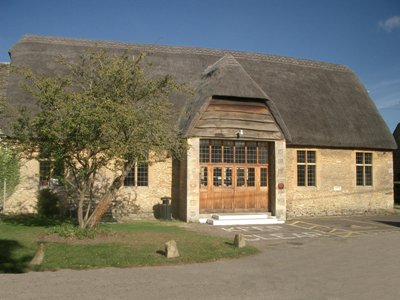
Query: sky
point(361, 34)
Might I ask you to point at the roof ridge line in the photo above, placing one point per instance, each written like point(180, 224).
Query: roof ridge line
point(189, 50)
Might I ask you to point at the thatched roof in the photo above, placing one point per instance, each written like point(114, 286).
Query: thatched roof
point(314, 103)
point(4, 73)
point(396, 134)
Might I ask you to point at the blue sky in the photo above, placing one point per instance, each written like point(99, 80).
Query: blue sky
point(362, 34)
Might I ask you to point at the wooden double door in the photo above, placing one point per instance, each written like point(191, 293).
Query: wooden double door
point(238, 186)
point(232, 188)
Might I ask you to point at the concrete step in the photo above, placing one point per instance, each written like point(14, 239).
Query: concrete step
point(243, 219)
point(240, 216)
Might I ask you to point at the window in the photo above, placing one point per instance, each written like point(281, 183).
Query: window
point(203, 176)
point(240, 156)
point(204, 151)
point(251, 177)
point(51, 172)
point(130, 178)
point(142, 174)
point(251, 153)
point(217, 176)
point(228, 177)
point(233, 152)
point(364, 169)
point(262, 153)
point(228, 152)
point(263, 177)
point(227, 164)
point(306, 168)
point(240, 177)
point(138, 175)
point(216, 151)
point(44, 172)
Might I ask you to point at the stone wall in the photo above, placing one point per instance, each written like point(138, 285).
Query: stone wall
point(192, 181)
point(336, 192)
point(133, 202)
point(144, 201)
point(279, 195)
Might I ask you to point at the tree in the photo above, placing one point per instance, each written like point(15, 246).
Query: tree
point(104, 113)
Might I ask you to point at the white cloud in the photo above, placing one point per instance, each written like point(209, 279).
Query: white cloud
point(386, 93)
point(390, 24)
point(391, 83)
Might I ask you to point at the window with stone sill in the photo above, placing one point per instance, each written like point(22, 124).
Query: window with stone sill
point(363, 169)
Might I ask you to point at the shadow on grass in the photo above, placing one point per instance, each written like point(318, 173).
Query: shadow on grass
point(161, 252)
point(8, 262)
point(31, 220)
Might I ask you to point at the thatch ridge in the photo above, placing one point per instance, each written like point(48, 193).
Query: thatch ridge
point(183, 50)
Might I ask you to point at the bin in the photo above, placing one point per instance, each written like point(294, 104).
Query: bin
point(166, 209)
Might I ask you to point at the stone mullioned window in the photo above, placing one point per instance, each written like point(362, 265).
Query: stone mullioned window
point(306, 168)
point(138, 175)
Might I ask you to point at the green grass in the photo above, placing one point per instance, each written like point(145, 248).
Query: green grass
point(139, 243)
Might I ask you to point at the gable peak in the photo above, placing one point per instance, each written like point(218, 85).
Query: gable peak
point(225, 61)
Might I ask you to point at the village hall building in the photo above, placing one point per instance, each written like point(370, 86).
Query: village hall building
point(266, 134)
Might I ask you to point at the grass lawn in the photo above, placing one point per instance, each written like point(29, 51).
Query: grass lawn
point(138, 243)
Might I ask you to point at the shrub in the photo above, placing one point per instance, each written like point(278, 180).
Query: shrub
point(9, 171)
point(48, 203)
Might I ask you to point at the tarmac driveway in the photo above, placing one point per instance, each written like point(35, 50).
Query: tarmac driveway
point(306, 228)
point(329, 258)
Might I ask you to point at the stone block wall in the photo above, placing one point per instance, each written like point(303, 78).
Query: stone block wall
point(24, 198)
point(133, 202)
point(336, 192)
point(279, 195)
point(192, 181)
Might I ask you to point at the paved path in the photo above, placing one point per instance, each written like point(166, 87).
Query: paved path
point(362, 266)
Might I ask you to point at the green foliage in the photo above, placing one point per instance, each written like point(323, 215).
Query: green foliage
point(9, 171)
point(48, 203)
point(104, 113)
point(69, 230)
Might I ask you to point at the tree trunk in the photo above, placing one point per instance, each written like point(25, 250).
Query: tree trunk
point(80, 210)
point(105, 202)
